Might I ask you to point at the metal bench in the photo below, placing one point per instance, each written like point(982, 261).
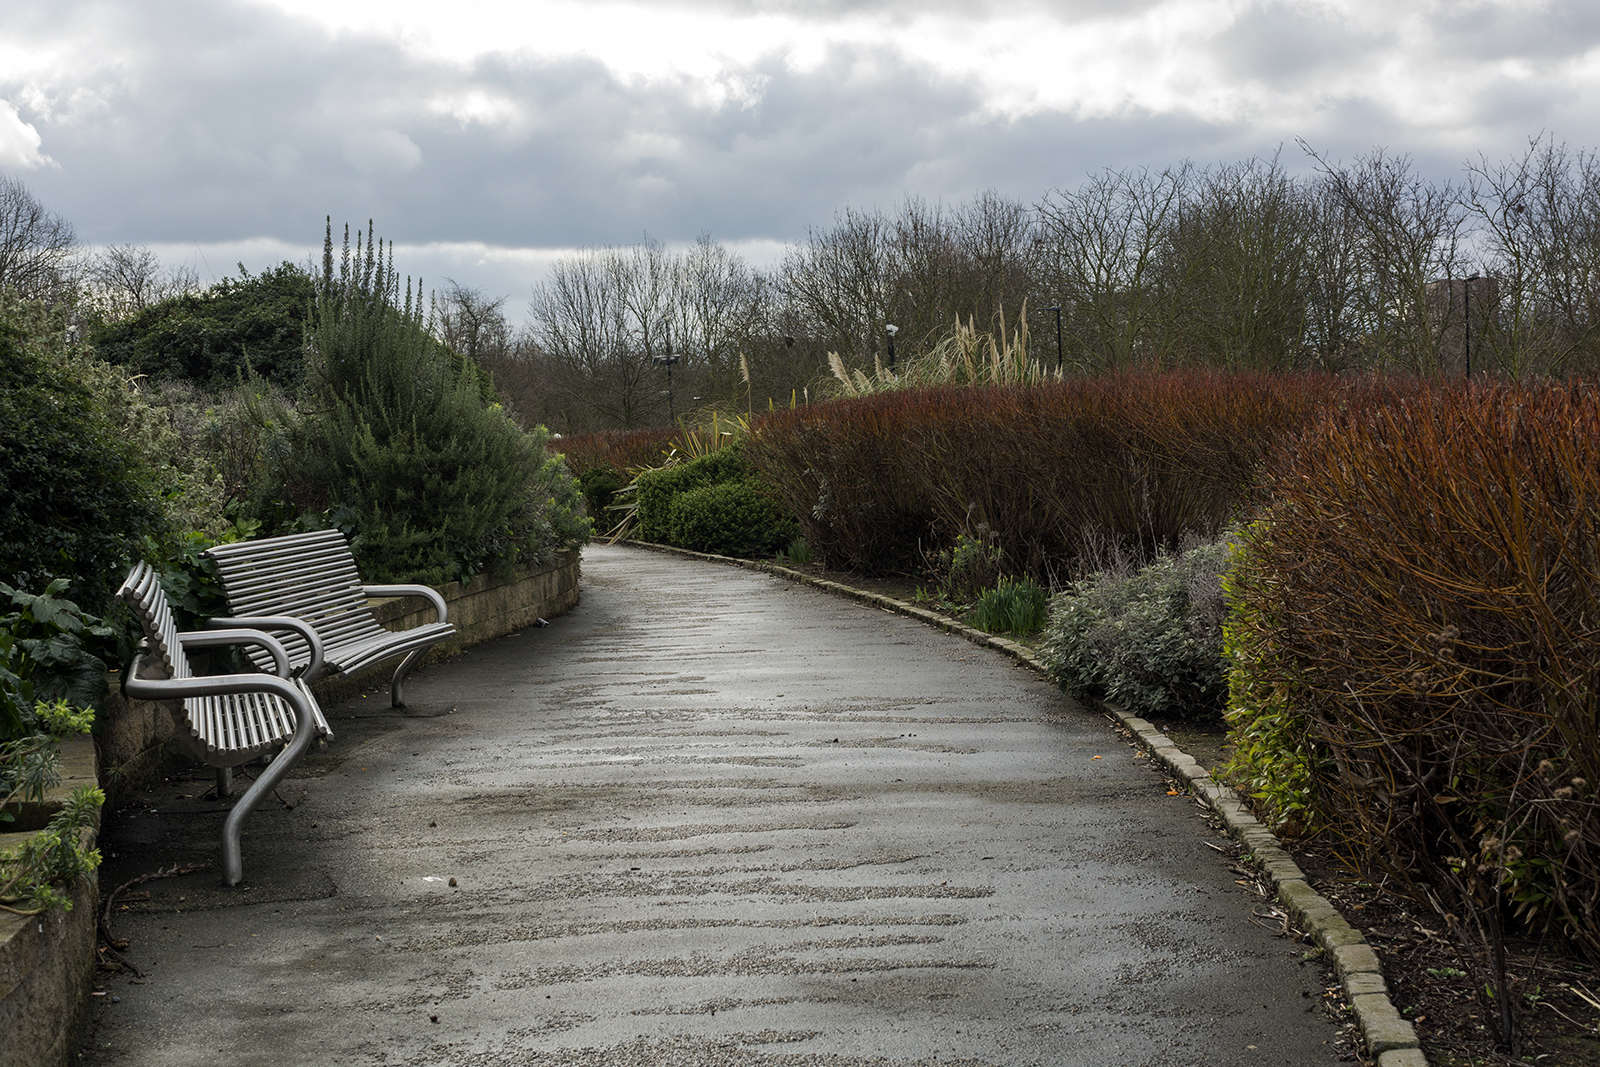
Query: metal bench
point(306, 586)
point(224, 720)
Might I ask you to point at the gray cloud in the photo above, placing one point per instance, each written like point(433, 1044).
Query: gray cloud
point(188, 121)
point(905, 9)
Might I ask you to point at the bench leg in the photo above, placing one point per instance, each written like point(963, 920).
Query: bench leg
point(224, 782)
point(305, 733)
point(396, 699)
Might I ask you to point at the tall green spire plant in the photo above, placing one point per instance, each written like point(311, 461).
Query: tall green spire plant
point(404, 438)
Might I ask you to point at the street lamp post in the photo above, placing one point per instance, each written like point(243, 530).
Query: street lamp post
point(1057, 309)
point(1466, 312)
point(667, 361)
point(891, 330)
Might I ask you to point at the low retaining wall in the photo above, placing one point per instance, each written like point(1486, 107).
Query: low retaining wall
point(482, 609)
point(47, 961)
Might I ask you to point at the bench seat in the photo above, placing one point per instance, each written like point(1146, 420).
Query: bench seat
point(305, 587)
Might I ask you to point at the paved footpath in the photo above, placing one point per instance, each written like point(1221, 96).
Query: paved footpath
point(709, 817)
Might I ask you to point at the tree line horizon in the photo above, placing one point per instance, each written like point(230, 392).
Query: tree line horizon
point(1365, 266)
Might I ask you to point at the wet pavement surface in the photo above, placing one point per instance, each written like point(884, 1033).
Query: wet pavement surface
point(708, 817)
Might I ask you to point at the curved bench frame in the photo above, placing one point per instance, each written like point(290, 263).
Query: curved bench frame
point(226, 719)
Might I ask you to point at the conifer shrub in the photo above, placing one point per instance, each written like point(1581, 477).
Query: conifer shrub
point(1421, 591)
point(1149, 638)
point(401, 441)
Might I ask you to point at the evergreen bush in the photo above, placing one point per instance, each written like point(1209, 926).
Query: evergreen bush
point(730, 518)
point(599, 485)
point(657, 488)
point(77, 501)
point(252, 326)
point(401, 439)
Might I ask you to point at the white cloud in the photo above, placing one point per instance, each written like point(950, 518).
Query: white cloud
point(19, 141)
point(477, 106)
point(1086, 60)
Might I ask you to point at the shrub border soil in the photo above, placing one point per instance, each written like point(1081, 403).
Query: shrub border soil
point(1390, 1039)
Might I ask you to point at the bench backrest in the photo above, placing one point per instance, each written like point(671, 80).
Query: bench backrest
point(309, 576)
point(143, 593)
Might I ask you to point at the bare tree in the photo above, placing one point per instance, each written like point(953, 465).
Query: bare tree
point(840, 283)
point(1539, 224)
point(472, 324)
point(995, 239)
point(1236, 269)
point(1100, 251)
point(582, 322)
point(722, 306)
point(1410, 234)
point(37, 247)
point(1334, 337)
point(922, 269)
point(126, 279)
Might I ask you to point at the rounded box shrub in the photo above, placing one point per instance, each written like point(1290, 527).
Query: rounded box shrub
point(729, 519)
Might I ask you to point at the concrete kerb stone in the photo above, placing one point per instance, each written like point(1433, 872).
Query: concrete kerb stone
point(1389, 1037)
point(1381, 1024)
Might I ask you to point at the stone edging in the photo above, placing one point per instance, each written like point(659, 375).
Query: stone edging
point(1390, 1038)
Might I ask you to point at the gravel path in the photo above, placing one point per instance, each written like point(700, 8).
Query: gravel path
point(712, 818)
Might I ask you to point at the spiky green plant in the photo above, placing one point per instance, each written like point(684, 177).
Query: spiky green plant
point(1012, 607)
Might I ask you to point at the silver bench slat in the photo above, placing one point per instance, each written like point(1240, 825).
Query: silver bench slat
point(312, 577)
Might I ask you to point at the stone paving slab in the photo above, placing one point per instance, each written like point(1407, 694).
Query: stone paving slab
point(708, 817)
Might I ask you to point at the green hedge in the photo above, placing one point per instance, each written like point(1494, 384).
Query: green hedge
point(657, 488)
point(730, 519)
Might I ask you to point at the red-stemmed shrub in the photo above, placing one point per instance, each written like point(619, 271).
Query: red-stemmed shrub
point(1426, 576)
point(620, 451)
point(1043, 471)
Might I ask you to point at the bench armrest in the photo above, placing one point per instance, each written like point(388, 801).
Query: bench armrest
point(204, 638)
point(214, 685)
point(423, 591)
point(313, 640)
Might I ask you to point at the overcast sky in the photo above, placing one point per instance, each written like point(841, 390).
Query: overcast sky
point(486, 136)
